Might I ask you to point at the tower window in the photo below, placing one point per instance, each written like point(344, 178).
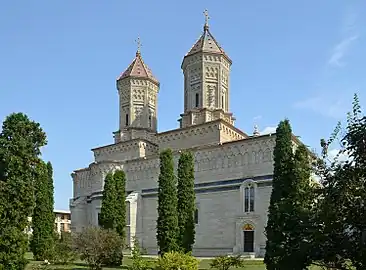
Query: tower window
point(197, 99)
point(126, 119)
point(150, 122)
point(222, 102)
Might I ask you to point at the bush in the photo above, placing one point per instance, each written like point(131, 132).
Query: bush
point(226, 262)
point(177, 260)
point(63, 252)
point(99, 247)
point(138, 262)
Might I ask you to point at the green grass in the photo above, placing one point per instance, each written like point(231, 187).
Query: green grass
point(204, 264)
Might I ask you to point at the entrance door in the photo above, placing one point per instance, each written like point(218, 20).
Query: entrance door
point(248, 241)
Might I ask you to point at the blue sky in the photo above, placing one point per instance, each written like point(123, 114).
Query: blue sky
point(59, 61)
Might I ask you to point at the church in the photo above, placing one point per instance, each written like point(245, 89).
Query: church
point(233, 169)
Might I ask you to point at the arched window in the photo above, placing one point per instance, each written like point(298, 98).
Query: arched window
point(249, 198)
point(197, 99)
point(126, 120)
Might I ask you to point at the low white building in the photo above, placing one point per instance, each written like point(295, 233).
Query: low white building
point(62, 221)
point(233, 170)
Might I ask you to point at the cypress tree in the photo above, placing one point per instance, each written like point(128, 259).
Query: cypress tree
point(20, 143)
point(108, 211)
point(186, 201)
point(277, 227)
point(119, 178)
point(167, 222)
point(43, 216)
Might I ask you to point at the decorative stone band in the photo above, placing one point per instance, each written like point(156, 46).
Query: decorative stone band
point(215, 186)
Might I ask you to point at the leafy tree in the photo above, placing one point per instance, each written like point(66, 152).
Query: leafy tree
point(43, 218)
point(138, 262)
point(167, 222)
point(186, 201)
point(20, 143)
point(289, 210)
point(341, 219)
point(108, 210)
point(119, 178)
point(99, 247)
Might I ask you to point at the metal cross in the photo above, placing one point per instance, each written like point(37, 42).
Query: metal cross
point(207, 17)
point(138, 41)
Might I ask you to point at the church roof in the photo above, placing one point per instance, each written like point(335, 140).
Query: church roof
point(207, 43)
point(138, 69)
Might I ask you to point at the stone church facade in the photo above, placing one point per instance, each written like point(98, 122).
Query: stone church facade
point(233, 170)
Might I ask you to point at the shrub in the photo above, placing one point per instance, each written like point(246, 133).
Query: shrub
point(138, 262)
point(177, 260)
point(63, 252)
point(99, 247)
point(226, 262)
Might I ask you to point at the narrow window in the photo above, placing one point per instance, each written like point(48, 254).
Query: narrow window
point(246, 199)
point(126, 119)
point(249, 199)
point(98, 219)
point(150, 122)
point(251, 196)
point(222, 102)
point(196, 216)
point(197, 99)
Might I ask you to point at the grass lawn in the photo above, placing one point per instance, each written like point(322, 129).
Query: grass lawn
point(204, 264)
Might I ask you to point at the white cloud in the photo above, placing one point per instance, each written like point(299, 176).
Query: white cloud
point(335, 155)
point(268, 130)
point(340, 50)
point(327, 106)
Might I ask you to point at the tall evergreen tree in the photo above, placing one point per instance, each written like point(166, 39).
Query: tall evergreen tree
point(119, 178)
point(107, 219)
point(167, 222)
point(20, 143)
point(278, 227)
point(186, 201)
point(43, 218)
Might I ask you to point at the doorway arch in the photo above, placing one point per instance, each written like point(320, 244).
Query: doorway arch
point(248, 238)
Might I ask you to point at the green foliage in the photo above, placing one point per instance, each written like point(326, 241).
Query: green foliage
point(226, 262)
point(340, 222)
point(290, 204)
point(119, 178)
point(138, 262)
point(20, 143)
point(167, 222)
point(43, 218)
point(177, 261)
point(186, 201)
point(63, 252)
point(108, 210)
point(99, 247)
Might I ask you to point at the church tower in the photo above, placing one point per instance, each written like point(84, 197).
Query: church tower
point(138, 90)
point(206, 69)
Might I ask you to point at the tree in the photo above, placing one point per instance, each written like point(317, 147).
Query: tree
point(341, 219)
point(119, 178)
point(20, 143)
point(186, 201)
point(167, 222)
point(43, 218)
point(289, 204)
point(108, 210)
point(99, 247)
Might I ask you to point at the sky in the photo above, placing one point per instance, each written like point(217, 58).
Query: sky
point(59, 61)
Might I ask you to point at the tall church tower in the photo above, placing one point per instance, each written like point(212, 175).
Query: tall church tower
point(138, 90)
point(206, 69)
